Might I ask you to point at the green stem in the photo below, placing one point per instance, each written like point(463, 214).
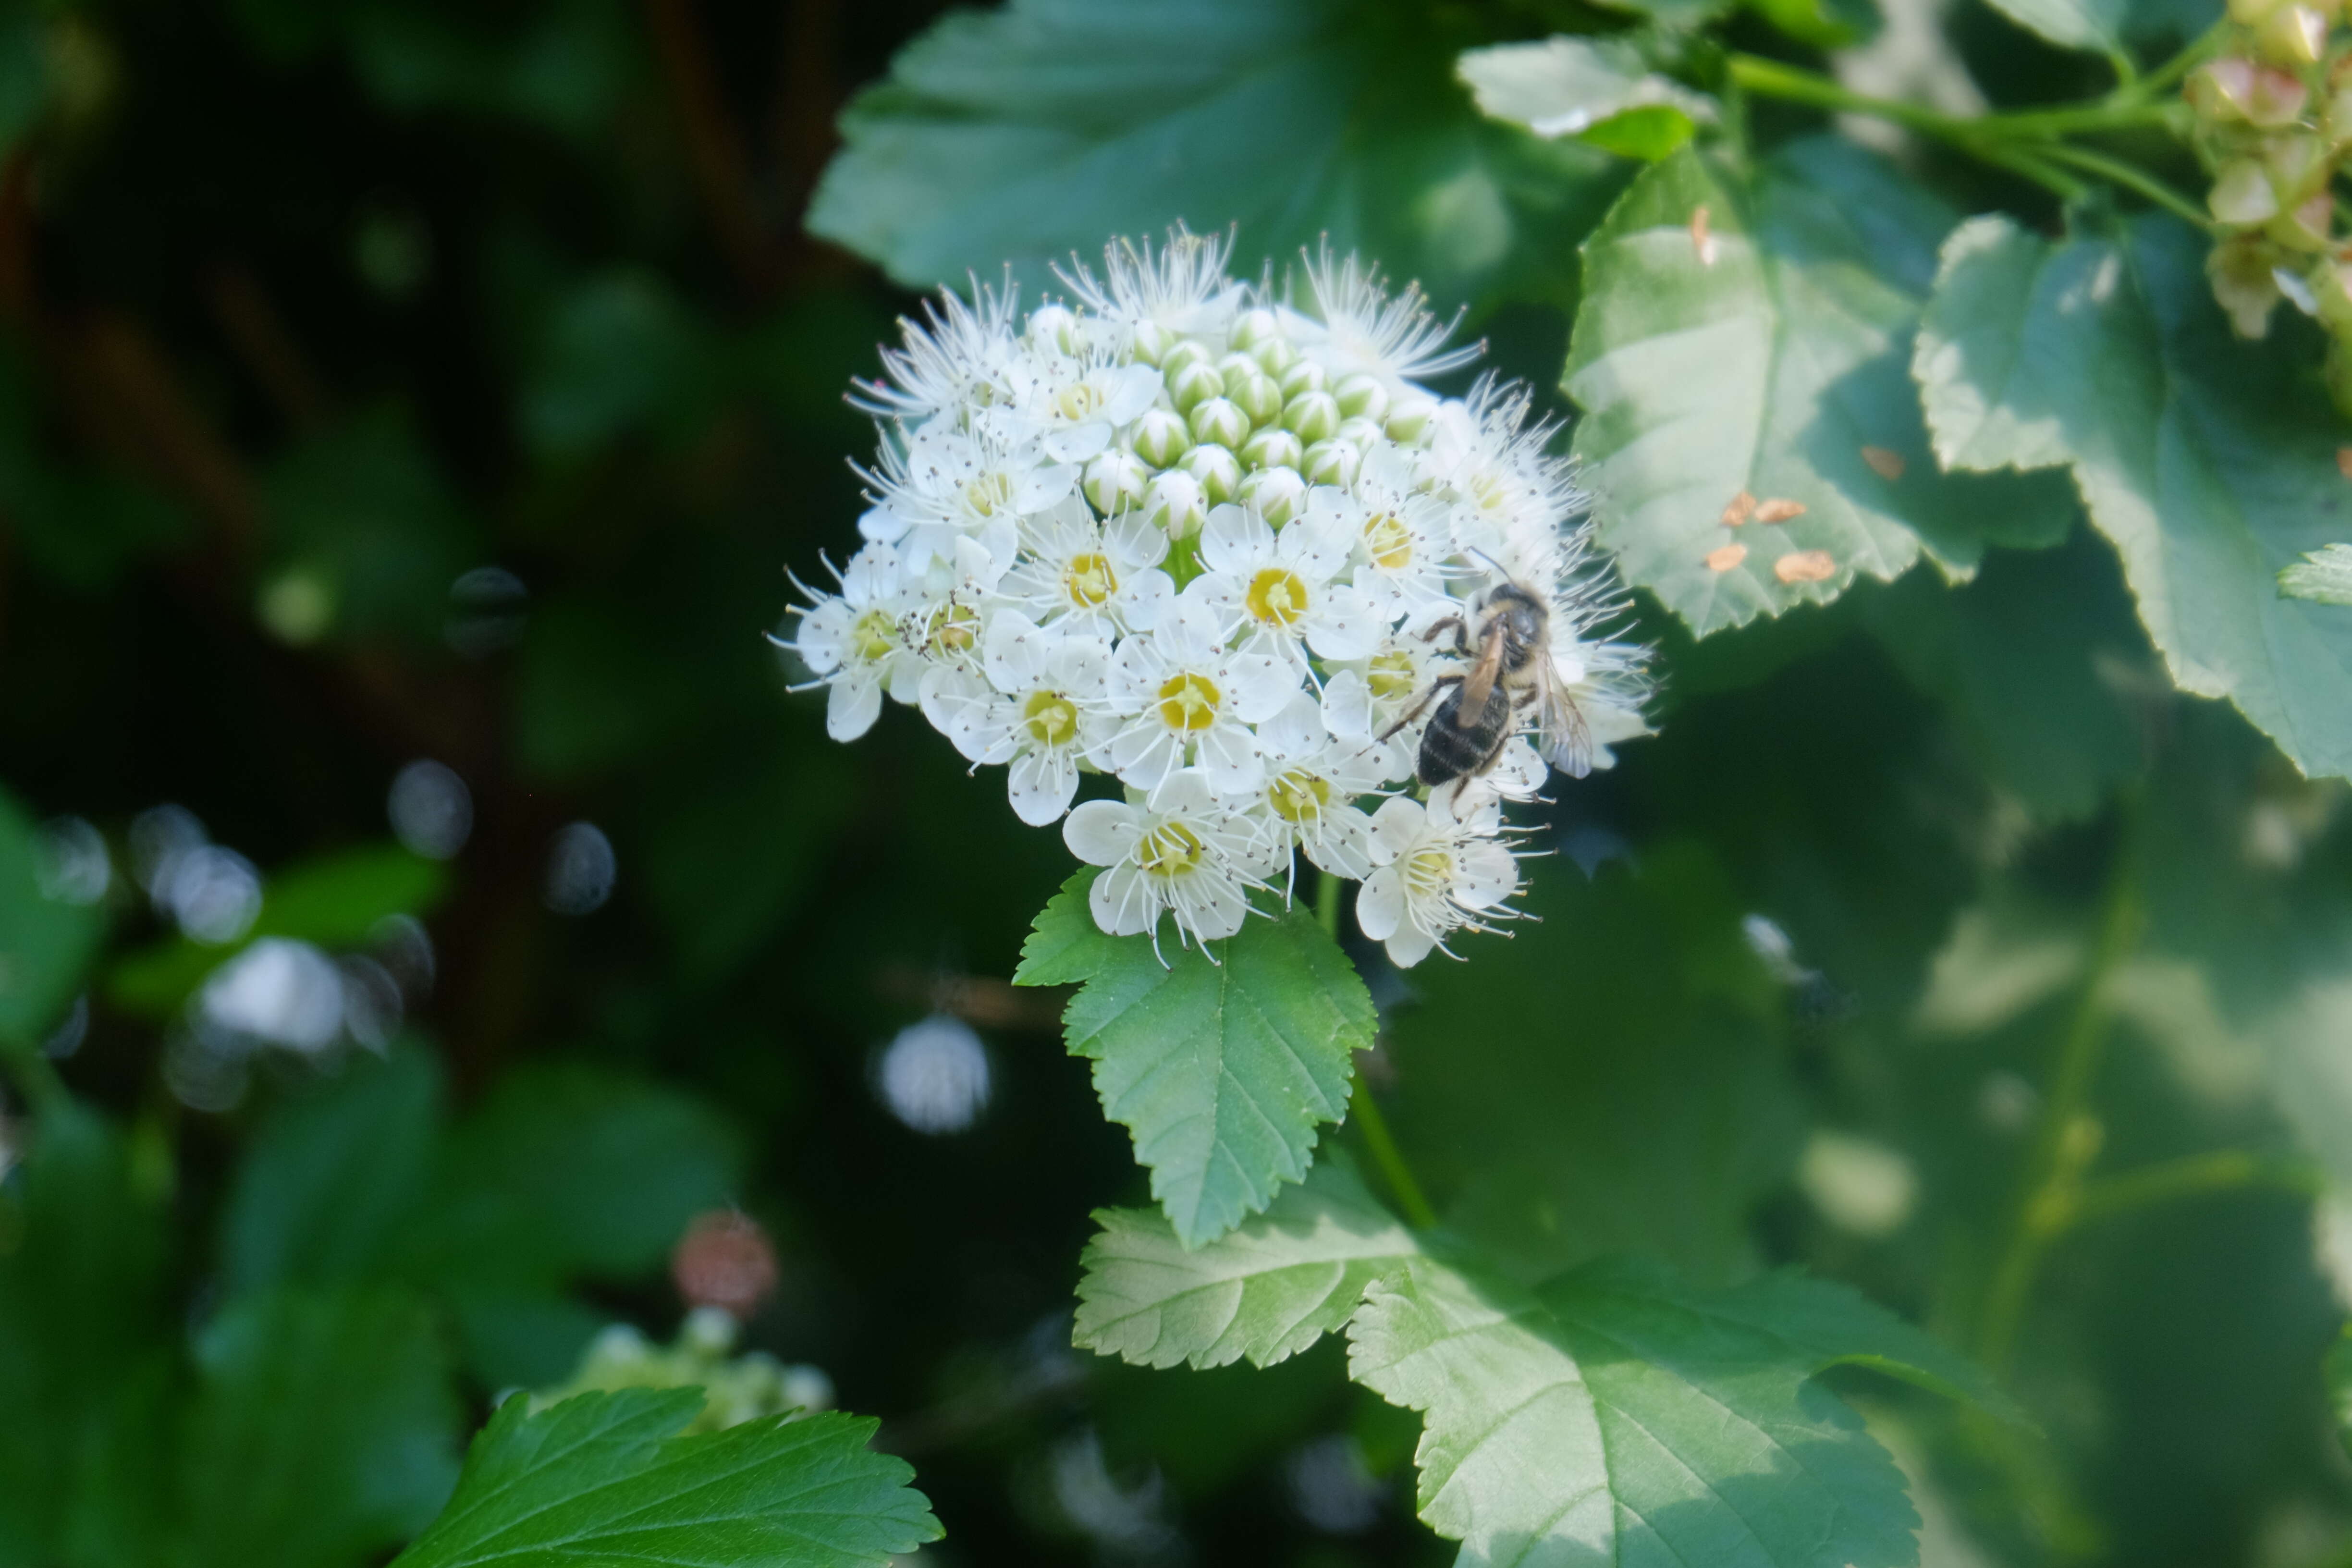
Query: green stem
point(2187, 60)
point(1362, 1109)
point(2133, 178)
point(2193, 1175)
point(2065, 1139)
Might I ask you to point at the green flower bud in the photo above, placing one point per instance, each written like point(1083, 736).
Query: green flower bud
point(1184, 352)
point(1411, 417)
point(1160, 436)
point(2305, 227)
point(2233, 89)
point(1192, 383)
point(1055, 327)
point(1220, 421)
point(1273, 447)
point(1312, 416)
point(2244, 285)
point(2330, 283)
point(2292, 36)
point(1331, 463)
point(1361, 433)
point(1279, 494)
point(1239, 370)
point(1152, 342)
point(1217, 470)
point(1306, 375)
point(2241, 193)
point(2298, 166)
point(1361, 396)
point(1177, 502)
point(1274, 356)
point(1115, 481)
point(1255, 326)
point(2253, 12)
point(1259, 398)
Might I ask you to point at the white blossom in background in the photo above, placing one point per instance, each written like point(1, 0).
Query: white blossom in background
point(1209, 538)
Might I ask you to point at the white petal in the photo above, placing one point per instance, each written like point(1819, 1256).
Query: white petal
point(1257, 685)
point(1409, 946)
point(1344, 845)
point(851, 706)
point(1102, 832)
point(1078, 667)
point(821, 630)
point(1295, 731)
point(1183, 793)
point(1485, 873)
point(1120, 904)
point(1348, 627)
point(1348, 705)
point(1396, 826)
point(1235, 539)
point(1133, 388)
point(1134, 540)
point(1077, 443)
point(1379, 904)
point(1044, 488)
point(1214, 908)
point(1016, 652)
point(880, 522)
point(1317, 545)
point(1144, 598)
point(1137, 673)
point(1041, 785)
point(1229, 757)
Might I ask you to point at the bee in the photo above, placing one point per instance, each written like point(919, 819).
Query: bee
point(1507, 679)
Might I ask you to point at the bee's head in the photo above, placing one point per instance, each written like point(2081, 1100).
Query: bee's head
point(1525, 617)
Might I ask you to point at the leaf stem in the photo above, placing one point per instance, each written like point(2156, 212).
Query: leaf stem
point(2193, 1175)
point(2066, 1138)
point(2133, 178)
point(1362, 1109)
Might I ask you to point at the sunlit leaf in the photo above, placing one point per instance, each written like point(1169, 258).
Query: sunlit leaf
point(1221, 1069)
point(1598, 89)
point(2211, 463)
point(606, 1478)
point(1740, 355)
point(2323, 576)
point(1265, 1290)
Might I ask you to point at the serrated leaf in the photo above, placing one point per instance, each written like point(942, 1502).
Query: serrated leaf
point(324, 1429)
point(1749, 432)
point(2211, 463)
point(2323, 576)
point(605, 1477)
point(1614, 1415)
point(1025, 134)
point(1264, 1291)
point(1598, 89)
point(1222, 1067)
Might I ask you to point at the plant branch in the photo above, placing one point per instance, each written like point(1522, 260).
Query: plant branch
point(2193, 1175)
point(1362, 1109)
point(2132, 178)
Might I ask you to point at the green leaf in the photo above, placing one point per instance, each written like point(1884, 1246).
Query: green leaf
point(1824, 23)
point(46, 943)
point(1599, 90)
point(2339, 1386)
point(1266, 1289)
point(364, 513)
point(324, 1430)
point(1767, 361)
point(2095, 24)
point(2323, 576)
point(601, 1479)
point(1615, 1416)
point(1049, 126)
point(1221, 1061)
point(2211, 463)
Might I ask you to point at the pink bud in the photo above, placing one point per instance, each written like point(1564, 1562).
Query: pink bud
point(2241, 193)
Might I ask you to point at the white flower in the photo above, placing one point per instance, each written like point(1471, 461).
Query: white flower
point(1073, 404)
point(1181, 851)
point(1148, 299)
point(1399, 535)
point(1272, 592)
point(1606, 682)
point(1101, 575)
point(1312, 778)
point(1513, 499)
point(854, 642)
point(1188, 699)
point(946, 364)
point(1363, 699)
point(1364, 330)
point(1443, 873)
point(1042, 709)
point(940, 485)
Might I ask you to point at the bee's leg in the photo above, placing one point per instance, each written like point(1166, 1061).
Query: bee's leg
point(1421, 707)
point(1460, 628)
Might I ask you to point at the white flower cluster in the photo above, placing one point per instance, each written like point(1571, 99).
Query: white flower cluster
point(1217, 540)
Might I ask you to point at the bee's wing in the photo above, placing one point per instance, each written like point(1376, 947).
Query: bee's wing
point(1566, 737)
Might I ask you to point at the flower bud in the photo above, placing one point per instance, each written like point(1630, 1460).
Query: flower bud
point(1273, 447)
point(2241, 89)
point(1307, 375)
point(2305, 227)
point(1333, 462)
point(1184, 352)
point(2253, 12)
point(1258, 397)
point(2241, 273)
point(2292, 36)
point(1115, 481)
point(1152, 342)
point(1255, 326)
point(2241, 193)
point(1361, 396)
point(2330, 283)
point(1312, 416)
point(1274, 356)
point(1175, 501)
point(1053, 327)
point(2339, 117)
point(1220, 420)
point(1411, 417)
point(1217, 470)
point(2298, 166)
point(1361, 434)
point(1160, 436)
point(1279, 494)
point(1193, 383)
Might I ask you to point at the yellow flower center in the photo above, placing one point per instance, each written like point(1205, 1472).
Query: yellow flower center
point(955, 630)
point(988, 494)
point(1276, 597)
point(1491, 488)
point(1170, 850)
point(1389, 542)
point(873, 635)
point(1429, 872)
point(1299, 795)
point(1089, 581)
point(1392, 677)
point(1051, 719)
point(1189, 703)
point(1079, 401)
